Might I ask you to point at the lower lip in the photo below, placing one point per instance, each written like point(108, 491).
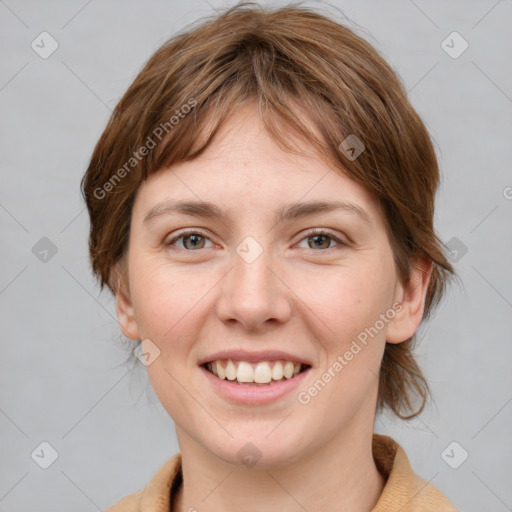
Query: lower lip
point(245, 394)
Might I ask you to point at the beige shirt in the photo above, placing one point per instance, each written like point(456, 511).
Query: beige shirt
point(404, 490)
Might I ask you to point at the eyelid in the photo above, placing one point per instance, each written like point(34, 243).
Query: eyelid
point(327, 232)
point(186, 232)
point(312, 232)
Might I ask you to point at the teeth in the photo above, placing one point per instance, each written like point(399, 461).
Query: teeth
point(220, 370)
point(230, 370)
point(262, 373)
point(288, 369)
point(244, 372)
point(277, 371)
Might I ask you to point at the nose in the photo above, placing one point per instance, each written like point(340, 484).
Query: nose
point(254, 294)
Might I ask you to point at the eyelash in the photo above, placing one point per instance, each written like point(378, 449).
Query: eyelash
point(313, 232)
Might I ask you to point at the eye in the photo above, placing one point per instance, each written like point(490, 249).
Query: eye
point(194, 239)
point(319, 236)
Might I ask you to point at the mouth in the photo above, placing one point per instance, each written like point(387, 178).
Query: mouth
point(256, 374)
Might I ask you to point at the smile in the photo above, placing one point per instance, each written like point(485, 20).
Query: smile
point(262, 373)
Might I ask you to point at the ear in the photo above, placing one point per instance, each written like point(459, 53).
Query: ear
point(412, 299)
point(124, 306)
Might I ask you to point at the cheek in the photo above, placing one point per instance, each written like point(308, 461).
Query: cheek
point(347, 301)
point(347, 307)
point(168, 302)
point(170, 306)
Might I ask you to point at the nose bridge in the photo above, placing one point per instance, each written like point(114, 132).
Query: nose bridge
point(252, 262)
point(252, 293)
point(252, 277)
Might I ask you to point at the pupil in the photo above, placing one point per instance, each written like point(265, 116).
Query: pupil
point(316, 237)
point(194, 239)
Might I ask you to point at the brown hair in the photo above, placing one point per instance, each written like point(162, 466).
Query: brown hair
point(283, 58)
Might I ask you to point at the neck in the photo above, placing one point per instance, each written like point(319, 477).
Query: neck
point(340, 475)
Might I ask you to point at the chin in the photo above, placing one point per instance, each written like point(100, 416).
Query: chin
point(256, 452)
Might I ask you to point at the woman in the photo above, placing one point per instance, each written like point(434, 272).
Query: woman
point(261, 205)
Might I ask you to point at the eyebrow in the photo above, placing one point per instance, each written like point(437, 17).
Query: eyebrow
point(287, 212)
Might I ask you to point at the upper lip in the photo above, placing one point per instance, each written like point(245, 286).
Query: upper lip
point(253, 357)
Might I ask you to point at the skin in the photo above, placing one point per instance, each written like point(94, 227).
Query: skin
point(297, 297)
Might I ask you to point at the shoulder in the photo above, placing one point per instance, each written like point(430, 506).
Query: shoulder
point(156, 495)
point(425, 497)
point(404, 488)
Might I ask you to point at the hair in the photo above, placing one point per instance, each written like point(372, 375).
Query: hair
point(290, 60)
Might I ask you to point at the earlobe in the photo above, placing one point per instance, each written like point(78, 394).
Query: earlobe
point(412, 299)
point(124, 306)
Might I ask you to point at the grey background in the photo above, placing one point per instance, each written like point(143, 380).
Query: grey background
point(62, 375)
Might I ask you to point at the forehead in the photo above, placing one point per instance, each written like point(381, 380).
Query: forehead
point(243, 168)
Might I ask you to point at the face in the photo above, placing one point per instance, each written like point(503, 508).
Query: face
point(257, 288)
